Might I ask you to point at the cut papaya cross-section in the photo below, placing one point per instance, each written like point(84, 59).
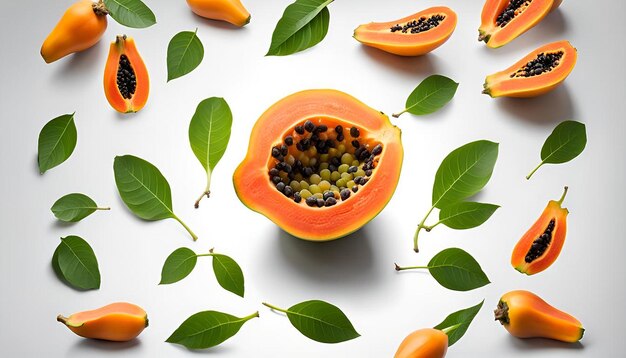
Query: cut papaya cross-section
point(320, 164)
point(126, 81)
point(539, 72)
point(413, 35)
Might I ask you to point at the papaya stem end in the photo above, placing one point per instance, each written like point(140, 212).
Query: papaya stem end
point(501, 313)
point(62, 319)
point(99, 8)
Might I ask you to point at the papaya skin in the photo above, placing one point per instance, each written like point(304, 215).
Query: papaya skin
point(119, 322)
point(81, 26)
point(424, 343)
point(526, 315)
point(231, 11)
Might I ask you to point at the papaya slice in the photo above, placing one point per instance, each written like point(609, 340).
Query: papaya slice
point(414, 35)
point(542, 243)
point(423, 343)
point(120, 322)
point(539, 72)
point(504, 20)
point(126, 80)
point(320, 164)
point(231, 11)
point(526, 315)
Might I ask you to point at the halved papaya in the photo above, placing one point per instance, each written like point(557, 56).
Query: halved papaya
point(504, 20)
point(413, 35)
point(539, 72)
point(126, 80)
point(320, 164)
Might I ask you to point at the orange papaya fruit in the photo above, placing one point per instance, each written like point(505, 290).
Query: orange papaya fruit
point(414, 35)
point(526, 315)
point(120, 322)
point(423, 343)
point(126, 80)
point(542, 243)
point(81, 26)
point(231, 11)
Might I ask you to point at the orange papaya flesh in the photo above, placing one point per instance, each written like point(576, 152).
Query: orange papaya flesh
point(423, 343)
point(126, 80)
point(504, 20)
point(526, 315)
point(413, 35)
point(80, 27)
point(231, 11)
point(118, 322)
point(537, 73)
point(320, 164)
point(541, 245)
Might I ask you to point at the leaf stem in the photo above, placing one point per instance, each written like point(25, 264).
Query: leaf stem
point(451, 328)
point(105, 208)
point(274, 307)
point(254, 315)
point(396, 115)
point(421, 226)
point(208, 254)
point(207, 191)
point(401, 268)
point(563, 196)
point(534, 170)
point(193, 236)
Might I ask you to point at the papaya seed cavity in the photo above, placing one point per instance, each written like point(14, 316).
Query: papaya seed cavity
point(420, 25)
point(514, 8)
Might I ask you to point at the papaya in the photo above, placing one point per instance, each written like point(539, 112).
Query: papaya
point(542, 243)
point(320, 164)
point(424, 343)
point(80, 27)
point(231, 11)
point(126, 80)
point(504, 20)
point(537, 73)
point(526, 315)
point(119, 322)
point(414, 35)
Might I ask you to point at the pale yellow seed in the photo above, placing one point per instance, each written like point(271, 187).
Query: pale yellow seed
point(343, 168)
point(313, 188)
point(334, 176)
point(340, 149)
point(304, 193)
point(298, 177)
point(346, 176)
point(290, 159)
point(359, 173)
point(295, 185)
point(341, 183)
point(324, 166)
point(334, 188)
point(324, 185)
point(303, 184)
point(312, 152)
point(347, 158)
point(323, 158)
point(319, 195)
point(325, 173)
point(350, 184)
point(312, 162)
point(332, 152)
point(355, 163)
point(315, 179)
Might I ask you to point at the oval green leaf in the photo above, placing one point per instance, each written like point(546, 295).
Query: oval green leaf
point(184, 53)
point(207, 329)
point(178, 265)
point(228, 274)
point(457, 270)
point(77, 263)
point(565, 143)
point(130, 13)
point(57, 141)
point(74, 207)
point(464, 172)
point(430, 95)
point(457, 323)
point(304, 24)
point(321, 322)
point(466, 215)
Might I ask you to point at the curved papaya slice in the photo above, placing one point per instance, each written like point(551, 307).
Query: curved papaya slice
point(80, 27)
point(320, 164)
point(231, 11)
point(126, 80)
point(413, 35)
point(542, 243)
point(539, 72)
point(118, 322)
point(424, 343)
point(504, 20)
point(526, 315)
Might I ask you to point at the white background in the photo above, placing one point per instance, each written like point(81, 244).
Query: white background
point(355, 273)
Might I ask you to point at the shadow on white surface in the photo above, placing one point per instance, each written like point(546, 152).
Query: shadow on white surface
point(548, 109)
point(217, 350)
point(537, 344)
point(418, 66)
point(75, 67)
point(89, 345)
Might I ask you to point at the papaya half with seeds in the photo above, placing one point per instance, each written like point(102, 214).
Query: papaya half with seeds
point(126, 80)
point(424, 343)
point(539, 72)
point(320, 164)
point(80, 27)
point(231, 11)
point(526, 315)
point(542, 243)
point(118, 322)
point(414, 35)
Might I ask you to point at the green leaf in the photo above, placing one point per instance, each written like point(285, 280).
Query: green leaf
point(457, 270)
point(466, 215)
point(74, 207)
point(304, 24)
point(209, 133)
point(184, 54)
point(178, 265)
point(566, 142)
point(456, 324)
point(57, 141)
point(464, 172)
point(76, 262)
point(207, 329)
point(228, 274)
point(144, 190)
point(430, 95)
point(131, 13)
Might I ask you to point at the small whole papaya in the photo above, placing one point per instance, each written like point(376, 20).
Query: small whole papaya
point(81, 26)
point(119, 322)
point(231, 11)
point(424, 343)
